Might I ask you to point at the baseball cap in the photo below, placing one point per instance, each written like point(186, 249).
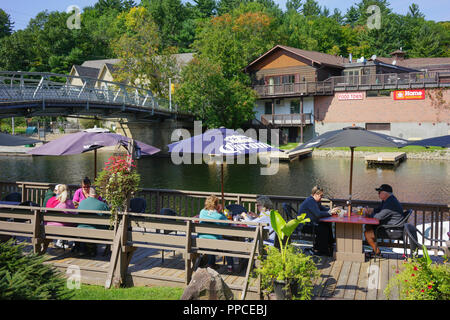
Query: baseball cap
point(384, 187)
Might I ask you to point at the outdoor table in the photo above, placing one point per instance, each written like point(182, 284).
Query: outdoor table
point(349, 232)
point(10, 203)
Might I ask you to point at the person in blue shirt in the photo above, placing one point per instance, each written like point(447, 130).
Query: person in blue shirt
point(389, 212)
point(212, 210)
point(315, 211)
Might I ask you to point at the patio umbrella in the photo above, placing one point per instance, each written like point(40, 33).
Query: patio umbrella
point(88, 140)
point(441, 141)
point(220, 142)
point(11, 141)
point(352, 137)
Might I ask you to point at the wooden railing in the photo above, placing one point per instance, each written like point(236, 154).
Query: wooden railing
point(286, 120)
point(430, 217)
point(292, 89)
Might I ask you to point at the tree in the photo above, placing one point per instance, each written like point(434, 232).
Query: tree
point(294, 5)
point(142, 61)
point(311, 8)
point(5, 24)
point(234, 40)
point(217, 101)
point(427, 41)
point(414, 12)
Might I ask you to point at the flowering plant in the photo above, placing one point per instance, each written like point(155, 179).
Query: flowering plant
point(117, 182)
point(420, 279)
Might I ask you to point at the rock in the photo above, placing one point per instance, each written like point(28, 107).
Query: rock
point(207, 284)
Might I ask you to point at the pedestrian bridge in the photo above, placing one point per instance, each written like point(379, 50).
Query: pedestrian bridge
point(30, 94)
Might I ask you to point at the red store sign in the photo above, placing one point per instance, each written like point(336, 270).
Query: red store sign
point(350, 96)
point(409, 94)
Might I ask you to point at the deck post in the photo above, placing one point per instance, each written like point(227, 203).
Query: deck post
point(188, 256)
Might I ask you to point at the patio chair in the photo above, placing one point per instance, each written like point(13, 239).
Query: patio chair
point(13, 197)
point(306, 231)
point(393, 231)
point(166, 212)
point(138, 205)
point(235, 209)
point(414, 245)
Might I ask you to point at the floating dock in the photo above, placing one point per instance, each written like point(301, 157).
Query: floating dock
point(291, 156)
point(389, 158)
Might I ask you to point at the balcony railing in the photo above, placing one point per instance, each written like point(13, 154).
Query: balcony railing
point(286, 120)
point(383, 81)
point(299, 88)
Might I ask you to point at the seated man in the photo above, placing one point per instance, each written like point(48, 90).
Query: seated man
point(390, 211)
point(90, 203)
point(263, 206)
point(315, 211)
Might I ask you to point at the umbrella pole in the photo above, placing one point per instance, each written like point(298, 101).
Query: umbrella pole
point(350, 187)
point(221, 178)
point(95, 164)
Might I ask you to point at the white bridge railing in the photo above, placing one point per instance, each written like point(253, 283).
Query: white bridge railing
point(33, 86)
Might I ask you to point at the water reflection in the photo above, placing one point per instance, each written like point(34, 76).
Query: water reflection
point(413, 180)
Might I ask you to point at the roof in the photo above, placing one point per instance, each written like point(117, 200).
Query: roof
point(313, 56)
point(419, 63)
point(99, 63)
point(86, 71)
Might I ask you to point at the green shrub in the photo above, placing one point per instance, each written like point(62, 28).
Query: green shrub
point(25, 277)
point(420, 279)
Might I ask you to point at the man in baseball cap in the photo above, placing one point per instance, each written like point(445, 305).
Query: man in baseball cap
point(389, 212)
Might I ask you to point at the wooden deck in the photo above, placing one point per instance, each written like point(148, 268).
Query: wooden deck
point(338, 280)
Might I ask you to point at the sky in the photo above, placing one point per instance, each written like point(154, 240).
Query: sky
point(21, 11)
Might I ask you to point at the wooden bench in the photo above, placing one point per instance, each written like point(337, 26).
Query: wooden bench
point(181, 234)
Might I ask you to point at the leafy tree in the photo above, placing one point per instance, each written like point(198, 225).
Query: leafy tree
point(217, 101)
point(5, 24)
point(428, 41)
point(142, 62)
point(351, 16)
point(414, 12)
point(17, 51)
point(293, 5)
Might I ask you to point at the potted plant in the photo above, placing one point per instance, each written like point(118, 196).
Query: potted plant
point(287, 271)
point(117, 182)
point(420, 279)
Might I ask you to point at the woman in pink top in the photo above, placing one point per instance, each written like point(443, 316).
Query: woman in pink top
point(83, 192)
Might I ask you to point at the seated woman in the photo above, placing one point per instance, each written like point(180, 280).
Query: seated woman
point(315, 211)
point(83, 192)
point(212, 210)
point(60, 201)
point(263, 206)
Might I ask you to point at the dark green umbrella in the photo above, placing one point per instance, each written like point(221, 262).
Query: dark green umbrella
point(352, 137)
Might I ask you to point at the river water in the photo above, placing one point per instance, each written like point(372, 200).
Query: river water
point(421, 181)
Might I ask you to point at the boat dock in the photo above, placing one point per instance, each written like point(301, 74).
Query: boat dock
point(291, 156)
point(389, 158)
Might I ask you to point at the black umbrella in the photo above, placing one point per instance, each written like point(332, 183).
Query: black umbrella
point(352, 137)
point(11, 141)
point(442, 141)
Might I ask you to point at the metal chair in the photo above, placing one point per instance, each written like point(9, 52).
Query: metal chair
point(306, 231)
point(138, 205)
point(394, 231)
point(166, 212)
point(410, 235)
point(235, 209)
point(14, 197)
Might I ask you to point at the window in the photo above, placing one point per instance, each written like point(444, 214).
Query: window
point(295, 106)
point(268, 107)
point(378, 126)
point(351, 76)
point(289, 78)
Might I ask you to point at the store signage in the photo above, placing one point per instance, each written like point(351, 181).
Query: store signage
point(351, 96)
point(409, 94)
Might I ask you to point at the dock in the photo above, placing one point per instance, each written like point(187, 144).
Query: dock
point(389, 158)
point(291, 156)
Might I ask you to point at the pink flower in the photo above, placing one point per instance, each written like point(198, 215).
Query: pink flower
point(430, 287)
point(412, 275)
point(422, 290)
point(415, 268)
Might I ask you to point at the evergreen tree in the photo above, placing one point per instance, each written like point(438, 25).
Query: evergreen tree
point(5, 24)
point(311, 8)
point(25, 277)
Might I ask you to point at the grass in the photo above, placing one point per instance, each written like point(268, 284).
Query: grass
point(288, 146)
point(92, 292)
